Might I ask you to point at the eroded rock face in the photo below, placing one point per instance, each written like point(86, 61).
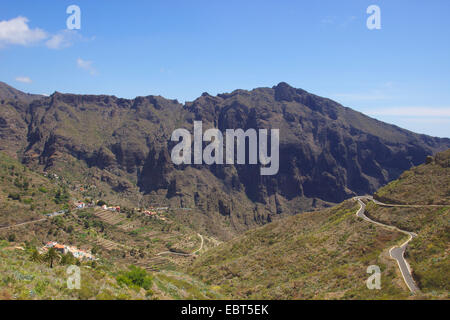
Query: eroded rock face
point(327, 152)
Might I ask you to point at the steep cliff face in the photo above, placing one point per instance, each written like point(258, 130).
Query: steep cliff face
point(327, 152)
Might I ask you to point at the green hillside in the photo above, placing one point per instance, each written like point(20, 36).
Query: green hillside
point(428, 254)
point(22, 278)
point(315, 255)
point(425, 184)
point(119, 241)
point(26, 195)
point(325, 254)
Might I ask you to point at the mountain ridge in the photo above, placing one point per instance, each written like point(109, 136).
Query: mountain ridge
point(328, 152)
point(9, 92)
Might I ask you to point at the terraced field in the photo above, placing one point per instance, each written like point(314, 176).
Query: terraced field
point(130, 226)
point(110, 216)
point(110, 245)
point(117, 219)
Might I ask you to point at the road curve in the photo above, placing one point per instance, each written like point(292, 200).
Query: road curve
point(397, 253)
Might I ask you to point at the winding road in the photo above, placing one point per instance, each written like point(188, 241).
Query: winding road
point(50, 216)
point(397, 253)
point(22, 224)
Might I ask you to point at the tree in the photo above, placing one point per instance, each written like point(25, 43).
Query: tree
point(68, 259)
point(50, 256)
point(66, 207)
point(35, 255)
point(95, 249)
point(61, 195)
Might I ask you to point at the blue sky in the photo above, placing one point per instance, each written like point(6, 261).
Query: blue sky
point(179, 49)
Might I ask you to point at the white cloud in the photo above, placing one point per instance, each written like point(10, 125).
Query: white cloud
point(63, 39)
point(411, 112)
point(17, 32)
point(87, 66)
point(56, 42)
point(24, 79)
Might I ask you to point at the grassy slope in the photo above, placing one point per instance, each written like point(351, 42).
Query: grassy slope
point(424, 184)
point(325, 254)
point(37, 193)
point(83, 229)
point(23, 279)
point(150, 235)
point(314, 255)
point(98, 282)
point(428, 253)
point(309, 256)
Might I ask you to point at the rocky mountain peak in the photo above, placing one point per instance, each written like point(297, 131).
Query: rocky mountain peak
point(327, 152)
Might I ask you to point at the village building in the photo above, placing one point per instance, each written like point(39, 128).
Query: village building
point(77, 253)
point(150, 213)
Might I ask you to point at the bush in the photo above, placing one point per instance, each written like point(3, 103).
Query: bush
point(135, 277)
point(14, 196)
point(42, 189)
point(87, 291)
point(95, 249)
point(68, 259)
point(3, 243)
point(61, 196)
point(101, 203)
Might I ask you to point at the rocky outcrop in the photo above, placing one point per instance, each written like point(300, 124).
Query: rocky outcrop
point(328, 153)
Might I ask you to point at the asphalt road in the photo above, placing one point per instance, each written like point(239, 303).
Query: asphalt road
point(397, 253)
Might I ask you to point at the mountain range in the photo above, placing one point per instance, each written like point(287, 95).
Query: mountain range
point(328, 152)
